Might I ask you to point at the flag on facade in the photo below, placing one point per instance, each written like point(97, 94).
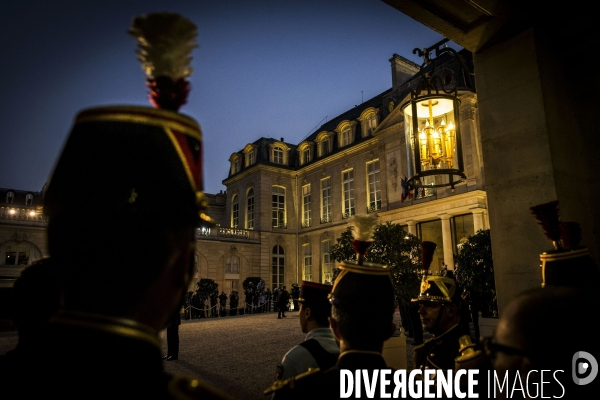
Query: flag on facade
point(406, 191)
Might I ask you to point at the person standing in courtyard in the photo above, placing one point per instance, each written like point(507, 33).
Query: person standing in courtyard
point(282, 302)
point(173, 338)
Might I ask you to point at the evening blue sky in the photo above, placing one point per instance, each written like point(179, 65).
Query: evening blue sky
point(267, 68)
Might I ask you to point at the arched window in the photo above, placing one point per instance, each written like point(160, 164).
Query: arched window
point(28, 199)
point(10, 197)
point(19, 253)
point(233, 265)
point(250, 209)
point(278, 267)
point(277, 155)
point(235, 212)
point(346, 138)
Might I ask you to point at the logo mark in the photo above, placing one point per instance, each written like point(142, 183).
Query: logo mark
point(584, 368)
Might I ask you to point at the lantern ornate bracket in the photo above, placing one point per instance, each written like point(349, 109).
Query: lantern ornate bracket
point(432, 123)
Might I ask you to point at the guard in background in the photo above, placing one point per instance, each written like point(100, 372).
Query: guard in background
point(359, 328)
point(319, 349)
point(173, 338)
point(282, 302)
point(451, 347)
point(106, 198)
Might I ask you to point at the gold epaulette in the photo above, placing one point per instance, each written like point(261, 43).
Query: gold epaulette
point(188, 388)
point(290, 383)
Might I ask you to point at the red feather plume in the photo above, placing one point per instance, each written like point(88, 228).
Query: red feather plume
point(548, 218)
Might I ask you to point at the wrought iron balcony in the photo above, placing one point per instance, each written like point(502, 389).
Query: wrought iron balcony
point(281, 225)
point(348, 214)
point(326, 218)
point(306, 224)
point(376, 206)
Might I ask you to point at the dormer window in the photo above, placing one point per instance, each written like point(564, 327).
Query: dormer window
point(10, 197)
point(346, 138)
point(236, 163)
point(278, 155)
point(306, 155)
point(28, 199)
point(250, 153)
point(369, 120)
point(325, 146)
point(370, 124)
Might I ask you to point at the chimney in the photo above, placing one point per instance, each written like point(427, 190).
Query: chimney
point(281, 140)
point(402, 70)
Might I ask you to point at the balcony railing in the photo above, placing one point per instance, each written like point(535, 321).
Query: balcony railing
point(348, 214)
point(421, 193)
point(326, 218)
point(306, 224)
point(281, 225)
point(375, 206)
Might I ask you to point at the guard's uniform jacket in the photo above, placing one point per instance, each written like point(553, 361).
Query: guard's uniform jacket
point(439, 352)
point(85, 356)
point(319, 350)
point(326, 384)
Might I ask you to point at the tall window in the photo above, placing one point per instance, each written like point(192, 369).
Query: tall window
point(432, 232)
point(250, 209)
point(346, 136)
point(278, 207)
point(374, 199)
point(306, 205)
point(325, 200)
point(235, 212)
point(278, 155)
point(278, 267)
point(233, 265)
point(307, 262)
point(252, 157)
point(327, 264)
point(348, 192)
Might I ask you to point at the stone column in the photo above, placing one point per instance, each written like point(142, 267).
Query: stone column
point(412, 227)
point(478, 219)
point(447, 238)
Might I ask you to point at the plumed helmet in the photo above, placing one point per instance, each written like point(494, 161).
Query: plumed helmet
point(123, 161)
point(355, 280)
point(568, 263)
point(434, 288)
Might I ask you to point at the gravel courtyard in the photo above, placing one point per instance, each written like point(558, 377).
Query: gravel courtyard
point(236, 354)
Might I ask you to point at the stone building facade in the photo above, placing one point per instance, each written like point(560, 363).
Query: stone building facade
point(286, 203)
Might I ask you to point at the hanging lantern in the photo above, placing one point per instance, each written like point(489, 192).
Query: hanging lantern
point(432, 127)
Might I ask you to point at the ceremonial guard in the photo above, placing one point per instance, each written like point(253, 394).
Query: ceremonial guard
point(136, 253)
point(319, 349)
point(451, 347)
point(359, 329)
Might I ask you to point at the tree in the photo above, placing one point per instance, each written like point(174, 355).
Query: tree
point(251, 282)
point(343, 250)
point(392, 246)
point(475, 275)
point(206, 287)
